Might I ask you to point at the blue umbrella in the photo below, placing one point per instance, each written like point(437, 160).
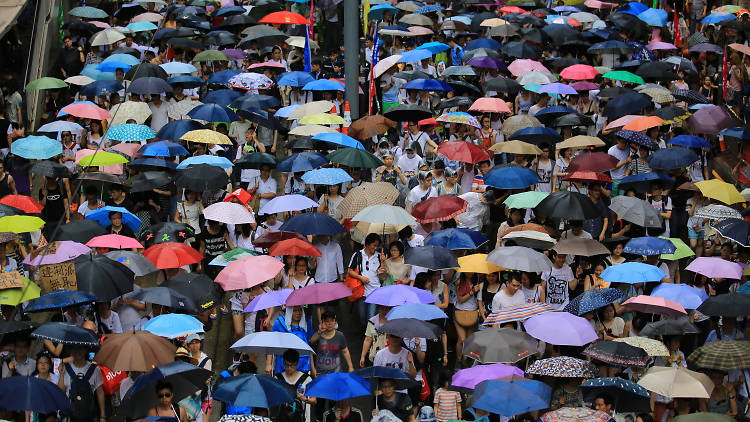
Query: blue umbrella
point(255, 102)
point(689, 141)
point(97, 88)
point(434, 47)
point(130, 132)
point(222, 97)
point(338, 386)
point(112, 66)
point(649, 245)
point(511, 177)
point(187, 81)
point(431, 257)
point(173, 325)
point(230, 10)
point(736, 132)
point(59, 299)
point(36, 147)
point(672, 158)
point(252, 391)
point(149, 85)
point(560, 9)
point(311, 223)
point(633, 273)
point(101, 216)
point(185, 379)
point(633, 8)
point(593, 299)
point(34, 394)
point(425, 84)
point(98, 75)
point(153, 162)
point(641, 182)
point(415, 55)
point(142, 26)
point(60, 126)
point(285, 112)
point(744, 289)
point(323, 85)
point(71, 334)
point(627, 395)
point(628, 103)
point(122, 58)
point(714, 18)
point(326, 176)
point(178, 67)
point(223, 76)
point(174, 130)
point(688, 296)
point(654, 17)
point(734, 229)
point(163, 149)
point(536, 135)
point(429, 8)
point(509, 398)
point(212, 160)
point(339, 138)
point(420, 311)
point(456, 239)
point(213, 113)
point(377, 11)
point(638, 138)
point(302, 161)
point(483, 43)
point(296, 78)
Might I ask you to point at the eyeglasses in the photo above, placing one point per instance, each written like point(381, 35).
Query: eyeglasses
point(66, 134)
point(165, 395)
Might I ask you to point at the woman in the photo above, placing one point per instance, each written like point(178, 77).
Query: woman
point(55, 203)
point(561, 169)
point(515, 217)
point(531, 287)
point(7, 185)
point(95, 136)
point(594, 280)
point(723, 399)
point(524, 101)
point(165, 394)
point(486, 292)
point(190, 211)
point(449, 186)
point(616, 257)
point(242, 236)
point(467, 311)
point(394, 267)
point(294, 322)
point(213, 242)
point(543, 167)
point(486, 133)
point(424, 190)
point(431, 282)
point(609, 326)
point(329, 202)
point(44, 370)
point(301, 278)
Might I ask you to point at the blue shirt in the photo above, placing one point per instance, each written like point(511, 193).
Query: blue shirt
point(304, 360)
point(457, 55)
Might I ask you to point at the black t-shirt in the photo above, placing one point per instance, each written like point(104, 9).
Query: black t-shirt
point(126, 203)
point(54, 208)
point(70, 61)
point(215, 243)
point(401, 406)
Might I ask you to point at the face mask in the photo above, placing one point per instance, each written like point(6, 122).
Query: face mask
point(411, 154)
point(383, 151)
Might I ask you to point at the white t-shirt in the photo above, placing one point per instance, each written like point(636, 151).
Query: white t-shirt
point(400, 360)
point(417, 194)
point(556, 284)
point(159, 117)
point(621, 155)
point(112, 323)
point(407, 164)
point(503, 301)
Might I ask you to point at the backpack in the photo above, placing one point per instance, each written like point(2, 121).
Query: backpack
point(82, 398)
point(293, 411)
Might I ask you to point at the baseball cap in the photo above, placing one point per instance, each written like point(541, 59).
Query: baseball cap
point(192, 337)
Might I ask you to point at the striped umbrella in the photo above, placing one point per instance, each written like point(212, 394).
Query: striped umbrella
point(516, 313)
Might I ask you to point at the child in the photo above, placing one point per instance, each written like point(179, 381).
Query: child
point(447, 403)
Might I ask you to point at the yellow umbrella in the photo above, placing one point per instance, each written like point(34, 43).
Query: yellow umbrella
point(102, 158)
point(516, 147)
point(580, 141)
point(315, 107)
point(206, 136)
point(362, 229)
point(123, 112)
point(651, 346)
point(720, 191)
point(15, 296)
point(477, 263)
point(311, 130)
point(493, 22)
point(322, 119)
point(20, 223)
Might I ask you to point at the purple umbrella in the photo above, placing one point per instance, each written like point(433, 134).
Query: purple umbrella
point(399, 294)
point(486, 62)
point(57, 252)
point(561, 328)
point(584, 86)
point(706, 47)
point(469, 378)
point(715, 267)
point(558, 88)
point(235, 54)
point(710, 120)
point(318, 293)
point(268, 300)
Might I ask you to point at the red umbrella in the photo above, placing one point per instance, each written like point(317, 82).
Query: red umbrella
point(441, 208)
point(512, 9)
point(114, 241)
point(172, 255)
point(586, 176)
point(297, 247)
point(268, 239)
point(289, 18)
point(579, 72)
point(593, 161)
point(428, 122)
point(23, 203)
point(655, 305)
point(318, 293)
point(463, 151)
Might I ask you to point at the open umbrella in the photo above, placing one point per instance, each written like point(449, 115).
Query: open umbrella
point(22, 393)
point(410, 328)
point(563, 367)
point(593, 299)
point(173, 325)
point(172, 255)
point(318, 293)
point(164, 296)
point(617, 354)
point(628, 396)
point(338, 386)
point(102, 277)
point(509, 398)
point(560, 328)
point(312, 223)
point(248, 272)
point(185, 379)
point(727, 305)
point(268, 342)
point(568, 204)
point(520, 258)
point(399, 294)
point(669, 327)
point(715, 267)
point(70, 334)
point(252, 391)
point(677, 382)
point(431, 257)
point(635, 210)
point(499, 345)
point(633, 273)
point(135, 351)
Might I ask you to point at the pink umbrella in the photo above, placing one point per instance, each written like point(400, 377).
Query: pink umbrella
point(584, 86)
point(596, 4)
point(660, 45)
point(267, 64)
point(127, 148)
point(420, 30)
point(622, 121)
point(490, 105)
point(100, 24)
point(247, 272)
point(522, 66)
point(655, 305)
point(715, 268)
point(114, 241)
point(469, 378)
point(318, 293)
point(86, 111)
point(579, 72)
point(561, 328)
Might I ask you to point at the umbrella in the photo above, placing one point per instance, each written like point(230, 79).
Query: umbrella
point(651, 346)
point(201, 177)
point(720, 190)
point(569, 205)
point(135, 351)
point(318, 293)
point(511, 177)
point(636, 211)
point(326, 176)
point(56, 252)
point(420, 311)
point(456, 239)
point(302, 161)
point(365, 195)
point(669, 327)
point(672, 158)
point(520, 258)
point(399, 294)
point(383, 213)
point(149, 180)
point(287, 203)
point(576, 414)
point(563, 367)
point(248, 272)
point(463, 151)
point(137, 263)
point(734, 229)
point(69, 334)
point(59, 299)
point(176, 128)
point(268, 300)
point(593, 161)
point(717, 212)
point(676, 382)
point(516, 313)
point(268, 342)
point(338, 386)
point(296, 247)
point(198, 287)
point(722, 355)
point(50, 169)
point(710, 120)
point(467, 379)
point(560, 328)
point(102, 217)
point(655, 305)
point(617, 354)
point(36, 147)
point(714, 267)
point(592, 300)
point(164, 296)
point(102, 277)
point(229, 213)
point(22, 393)
point(173, 325)
point(206, 136)
point(172, 255)
point(510, 398)
point(185, 379)
point(649, 246)
point(410, 328)
point(130, 132)
point(728, 305)
point(401, 379)
point(438, 209)
point(80, 231)
point(168, 232)
point(23, 203)
point(499, 345)
point(528, 199)
point(369, 126)
point(45, 83)
point(312, 223)
point(431, 257)
point(633, 273)
point(628, 396)
point(583, 247)
point(252, 391)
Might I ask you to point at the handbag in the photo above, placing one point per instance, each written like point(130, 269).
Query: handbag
point(358, 289)
point(466, 319)
point(424, 392)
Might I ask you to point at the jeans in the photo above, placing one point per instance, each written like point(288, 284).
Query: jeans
point(365, 310)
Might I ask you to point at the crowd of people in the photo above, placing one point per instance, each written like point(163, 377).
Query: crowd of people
point(541, 215)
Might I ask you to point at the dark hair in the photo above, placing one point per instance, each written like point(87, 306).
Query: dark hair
point(90, 190)
point(291, 355)
point(329, 314)
point(114, 213)
point(398, 245)
point(372, 238)
point(299, 259)
point(405, 233)
point(606, 398)
point(645, 417)
point(600, 311)
point(247, 367)
point(421, 279)
point(163, 385)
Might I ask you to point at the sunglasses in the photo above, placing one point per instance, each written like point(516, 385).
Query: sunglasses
point(165, 395)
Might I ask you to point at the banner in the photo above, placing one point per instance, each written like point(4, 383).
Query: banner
point(60, 276)
point(375, 56)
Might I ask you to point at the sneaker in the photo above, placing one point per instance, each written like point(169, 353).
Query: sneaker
point(224, 311)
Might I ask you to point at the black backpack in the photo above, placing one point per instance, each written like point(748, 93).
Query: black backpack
point(83, 404)
point(295, 410)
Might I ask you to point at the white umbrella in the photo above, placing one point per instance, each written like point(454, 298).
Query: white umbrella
point(271, 343)
point(386, 64)
point(535, 77)
point(311, 130)
point(228, 213)
point(287, 203)
point(315, 107)
point(79, 80)
point(384, 213)
point(107, 37)
point(520, 258)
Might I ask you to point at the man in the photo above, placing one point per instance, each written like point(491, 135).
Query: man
point(363, 266)
point(86, 403)
point(543, 102)
point(597, 226)
point(20, 363)
point(621, 151)
point(409, 162)
point(558, 282)
point(330, 346)
point(395, 356)
point(71, 59)
point(296, 381)
point(604, 403)
point(477, 183)
point(510, 295)
point(397, 403)
point(159, 108)
point(456, 51)
point(329, 266)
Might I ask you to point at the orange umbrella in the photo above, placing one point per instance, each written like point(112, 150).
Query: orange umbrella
point(172, 255)
point(289, 18)
point(23, 203)
point(296, 247)
point(490, 105)
point(587, 176)
point(643, 123)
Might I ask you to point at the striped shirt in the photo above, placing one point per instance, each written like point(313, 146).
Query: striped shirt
point(447, 404)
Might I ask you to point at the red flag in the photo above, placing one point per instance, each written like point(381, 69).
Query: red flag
point(724, 75)
point(311, 27)
point(677, 31)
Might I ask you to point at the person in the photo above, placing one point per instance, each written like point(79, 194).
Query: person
point(389, 172)
point(330, 346)
point(397, 403)
point(510, 295)
point(166, 406)
point(723, 399)
point(421, 192)
point(295, 322)
point(71, 59)
point(20, 363)
point(609, 326)
point(213, 241)
point(329, 202)
point(466, 310)
point(109, 322)
point(447, 402)
point(343, 411)
point(190, 211)
point(91, 203)
point(604, 403)
point(559, 281)
point(81, 381)
point(364, 266)
point(393, 265)
point(395, 355)
point(117, 226)
point(296, 382)
point(374, 339)
point(567, 394)
point(194, 344)
point(329, 266)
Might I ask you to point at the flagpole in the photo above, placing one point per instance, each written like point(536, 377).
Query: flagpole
point(351, 55)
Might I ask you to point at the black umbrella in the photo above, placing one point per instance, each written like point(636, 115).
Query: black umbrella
point(560, 33)
point(255, 102)
point(629, 24)
point(627, 395)
point(410, 328)
point(727, 305)
point(624, 104)
point(689, 96)
point(613, 92)
point(255, 160)
point(305, 143)
point(7, 210)
point(166, 297)
point(462, 86)
point(201, 177)
point(411, 75)
point(167, 232)
point(499, 345)
point(669, 327)
point(185, 379)
point(534, 36)
point(501, 84)
point(50, 169)
point(563, 62)
point(80, 231)
point(568, 205)
point(71, 334)
point(203, 291)
point(167, 33)
point(261, 10)
point(149, 85)
point(127, 50)
point(184, 43)
point(408, 113)
point(656, 71)
point(263, 118)
point(192, 21)
point(144, 70)
point(482, 52)
point(128, 11)
point(458, 101)
point(616, 353)
point(476, 21)
point(102, 277)
point(150, 180)
point(81, 26)
point(402, 380)
point(572, 119)
point(238, 20)
point(221, 38)
point(669, 113)
point(431, 257)
point(10, 331)
point(521, 50)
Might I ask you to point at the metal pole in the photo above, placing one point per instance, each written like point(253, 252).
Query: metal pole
point(351, 54)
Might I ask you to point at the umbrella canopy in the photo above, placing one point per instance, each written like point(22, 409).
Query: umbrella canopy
point(560, 328)
point(229, 213)
point(252, 391)
point(56, 252)
point(338, 386)
point(563, 367)
point(102, 277)
point(636, 210)
point(498, 345)
point(467, 379)
point(267, 342)
point(520, 258)
point(59, 299)
point(648, 245)
point(399, 294)
point(575, 414)
point(410, 328)
point(248, 272)
point(184, 378)
point(172, 255)
point(510, 398)
point(592, 300)
point(722, 355)
point(438, 209)
point(70, 334)
point(715, 267)
point(431, 257)
point(135, 351)
point(22, 393)
point(632, 273)
point(669, 327)
point(568, 204)
point(198, 287)
point(164, 296)
point(312, 223)
point(628, 396)
point(677, 382)
point(617, 354)
point(720, 190)
point(420, 311)
point(318, 293)
point(727, 305)
point(173, 325)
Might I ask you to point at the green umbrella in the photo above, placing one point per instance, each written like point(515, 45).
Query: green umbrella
point(355, 158)
point(525, 199)
point(624, 75)
point(682, 251)
point(703, 417)
point(210, 56)
point(233, 255)
point(46, 83)
point(88, 12)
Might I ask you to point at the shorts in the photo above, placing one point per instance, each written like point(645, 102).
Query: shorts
point(692, 234)
point(237, 312)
